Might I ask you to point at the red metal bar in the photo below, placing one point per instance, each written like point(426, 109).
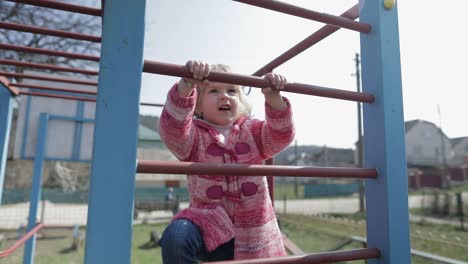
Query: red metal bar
point(309, 14)
point(49, 88)
point(49, 52)
point(67, 97)
point(61, 6)
point(59, 96)
point(176, 167)
point(325, 257)
point(152, 104)
point(45, 78)
point(308, 42)
point(50, 32)
point(224, 77)
point(20, 242)
point(47, 67)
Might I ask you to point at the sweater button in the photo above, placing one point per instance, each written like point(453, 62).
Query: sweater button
point(214, 192)
point(249, 188)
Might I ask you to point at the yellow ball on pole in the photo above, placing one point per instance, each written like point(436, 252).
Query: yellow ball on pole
point(389, 4)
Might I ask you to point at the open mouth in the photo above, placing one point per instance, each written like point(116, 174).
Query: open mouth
point(225, 108)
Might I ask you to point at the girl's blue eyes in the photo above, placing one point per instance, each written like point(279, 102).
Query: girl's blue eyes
point(230, 91)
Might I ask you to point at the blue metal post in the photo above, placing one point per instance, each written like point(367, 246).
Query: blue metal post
point(6, 110)
point(35, 195)
point(78, 131)
point(384, 135)
point(26, 127)
point(110, 211)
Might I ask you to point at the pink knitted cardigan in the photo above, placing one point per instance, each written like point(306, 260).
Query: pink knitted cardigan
point(227, 207)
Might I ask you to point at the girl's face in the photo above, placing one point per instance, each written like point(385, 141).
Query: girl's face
point(219, 103)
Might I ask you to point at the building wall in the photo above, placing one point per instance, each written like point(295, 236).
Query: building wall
point(58, 146)
point(423, 145)
point(462, 147)
point(19, 172)
point(461, 152)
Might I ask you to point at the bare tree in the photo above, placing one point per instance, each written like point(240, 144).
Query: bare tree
point(52, 19)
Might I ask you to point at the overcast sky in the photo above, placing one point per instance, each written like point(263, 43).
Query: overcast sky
point(433, 55)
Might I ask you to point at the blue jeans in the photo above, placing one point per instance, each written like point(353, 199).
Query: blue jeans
point(182, 243)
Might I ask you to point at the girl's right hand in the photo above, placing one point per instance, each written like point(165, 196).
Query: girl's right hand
point(200, 70)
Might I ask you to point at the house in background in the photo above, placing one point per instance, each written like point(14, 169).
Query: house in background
point(427, 145)
point(434, 160)
point(311, 155)
point(151, 147)
point(69, 137)
point(149, 138)
point(460, 147)
point(432, 157)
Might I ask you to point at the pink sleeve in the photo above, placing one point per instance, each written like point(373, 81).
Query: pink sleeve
point(276, 132)
point(175, 124)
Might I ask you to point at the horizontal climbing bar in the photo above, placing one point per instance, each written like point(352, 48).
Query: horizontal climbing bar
point(49, 52)
point(254, 81)
point(58, 96)
point(21, 241)
point(152, 104)
point(47, 67)
point(309, 14)
point(325, 257)
point(61, 6)
point(176, 167)
point(50, 32)
point(50, 88)
point(46, 78)
point(70, 97)
point(308, 42)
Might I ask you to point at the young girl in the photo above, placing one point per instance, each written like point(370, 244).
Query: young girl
point(229, 217)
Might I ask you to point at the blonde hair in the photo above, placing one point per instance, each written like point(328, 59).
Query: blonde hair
point(245, 108)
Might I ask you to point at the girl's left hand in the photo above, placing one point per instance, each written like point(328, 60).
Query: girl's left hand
point(272, 95)
point(278, 81)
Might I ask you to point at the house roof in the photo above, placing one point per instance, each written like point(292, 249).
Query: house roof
point(145, 133)
point(412, 123)
point(456, 141)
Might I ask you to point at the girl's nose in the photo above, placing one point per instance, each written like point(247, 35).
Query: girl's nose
point(224, 96)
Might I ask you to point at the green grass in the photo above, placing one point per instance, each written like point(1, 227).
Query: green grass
point(311, 233)
point(459, 188)
point(141, 235)
point(453, 189)
point(283, 190)
point(325, 234)
point(54, 248)
point(287, 191)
